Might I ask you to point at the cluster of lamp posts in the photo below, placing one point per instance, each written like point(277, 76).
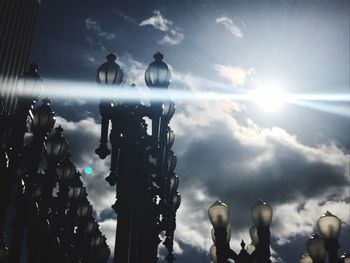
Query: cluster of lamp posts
point(319, 248)
point(49, 227)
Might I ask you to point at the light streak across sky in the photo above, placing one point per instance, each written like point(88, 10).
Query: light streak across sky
point(91, 92)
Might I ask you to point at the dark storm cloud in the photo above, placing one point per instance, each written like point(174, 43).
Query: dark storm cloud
point(107, 213)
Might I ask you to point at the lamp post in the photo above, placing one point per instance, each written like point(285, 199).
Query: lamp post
point(261, 214)
point(329, 227)
point(258, 251)
point(142, 165)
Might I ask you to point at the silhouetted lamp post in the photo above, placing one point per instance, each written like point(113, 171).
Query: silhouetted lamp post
point(261, 214)
point(219, 216)
point(142, 164)
point(315, 248)
point(259, 251)
point(109, 74)
point(158, 76)
point(329, 226)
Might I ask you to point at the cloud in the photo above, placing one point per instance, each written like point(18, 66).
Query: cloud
point(157, 21)
point(96, 27)
point(125, 17)
point(238, 163)
point(235, 75)
point(173, 35)
point(230, 26)
point(83, 138)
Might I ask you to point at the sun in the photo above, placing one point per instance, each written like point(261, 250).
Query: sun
point(270, 99)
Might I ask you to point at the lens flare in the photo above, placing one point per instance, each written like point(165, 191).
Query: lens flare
point(268, 99)
point(88, 170)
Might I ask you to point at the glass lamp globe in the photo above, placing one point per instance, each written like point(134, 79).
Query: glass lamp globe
point(176, 201)
point(250, 248)
point(172, 161)
point(305, 259)
point(84, 209)
point(170, 138)
point(43, 118)
point(315, 248)
point(110, 72)
point(168, 109)
point(261, 214)
point(66, 170)
point(56, 145)
point(30, 84)
point(76, 192)
point(329, 226)
point(158, 75)
point(174, 183)
point(253, 232)
point(218, 214)
point(213, 255)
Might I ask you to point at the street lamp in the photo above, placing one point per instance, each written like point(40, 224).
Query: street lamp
point(158, 74)
point(66, 171)
point(315, 248)
point(30, 84)
point(142, 165)
point(108, 74)
point(219, 214)
point(258, 251)
point(261, 214)
point(329, 226)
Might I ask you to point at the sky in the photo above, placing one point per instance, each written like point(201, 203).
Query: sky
point(295, 156)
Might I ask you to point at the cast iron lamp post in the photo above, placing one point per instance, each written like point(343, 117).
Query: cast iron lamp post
point(142, 165)
point(319, 246)
point(259, 251)
point(262, 216)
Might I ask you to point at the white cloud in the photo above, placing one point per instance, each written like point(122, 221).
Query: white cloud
point(235, 75)
point(230, 26)
point(108, 228)
point(219, 158)
point(83, 137)
point(157, 21)
point(173, 35)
